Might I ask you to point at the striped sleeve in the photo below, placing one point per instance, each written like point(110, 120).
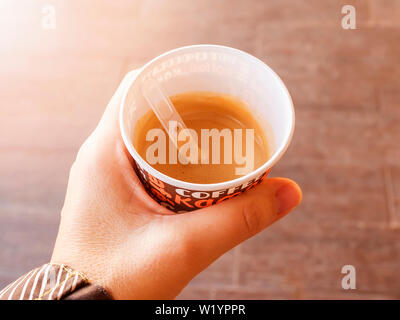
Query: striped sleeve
point(53, 282)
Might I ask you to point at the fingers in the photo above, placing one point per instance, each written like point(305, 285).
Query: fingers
point(106, 137)
point(109, 123)
point(212, 231)
point(105, 140)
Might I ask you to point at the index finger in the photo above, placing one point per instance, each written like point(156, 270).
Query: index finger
point(109, 122)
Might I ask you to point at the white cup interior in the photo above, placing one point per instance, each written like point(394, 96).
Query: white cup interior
point(223, 70)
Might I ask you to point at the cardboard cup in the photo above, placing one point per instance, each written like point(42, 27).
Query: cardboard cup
point(218, 69)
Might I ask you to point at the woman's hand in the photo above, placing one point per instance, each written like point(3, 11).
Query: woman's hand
point(112, 231)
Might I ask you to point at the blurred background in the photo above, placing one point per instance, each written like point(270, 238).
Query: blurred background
point(61, 61)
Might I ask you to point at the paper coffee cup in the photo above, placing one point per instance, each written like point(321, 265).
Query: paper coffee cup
point(218, 69)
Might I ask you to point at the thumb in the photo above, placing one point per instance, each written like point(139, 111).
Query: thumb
point(210, 232)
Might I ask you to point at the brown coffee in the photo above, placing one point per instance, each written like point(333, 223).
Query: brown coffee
point(204, 111)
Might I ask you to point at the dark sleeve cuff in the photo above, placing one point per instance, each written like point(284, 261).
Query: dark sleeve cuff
point(53, 282)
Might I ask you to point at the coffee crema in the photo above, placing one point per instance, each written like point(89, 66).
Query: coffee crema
point(231, 141)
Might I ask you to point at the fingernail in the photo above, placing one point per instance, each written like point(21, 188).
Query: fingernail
point(287, 197)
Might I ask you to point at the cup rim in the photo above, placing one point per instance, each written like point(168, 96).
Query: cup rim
point(206, 186)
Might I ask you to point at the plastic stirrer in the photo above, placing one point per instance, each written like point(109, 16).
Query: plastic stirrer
point(165, 111)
